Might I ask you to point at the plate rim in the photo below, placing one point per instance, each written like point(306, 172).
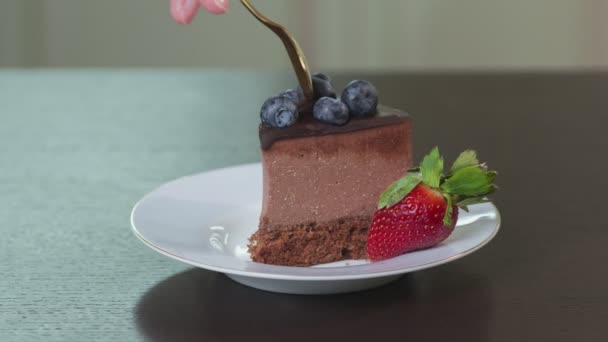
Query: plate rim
point(278, 276)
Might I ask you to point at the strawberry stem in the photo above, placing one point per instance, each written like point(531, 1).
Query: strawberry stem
point(468, 182)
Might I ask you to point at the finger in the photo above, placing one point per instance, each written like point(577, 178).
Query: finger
point(215, 6)
point(183, 11)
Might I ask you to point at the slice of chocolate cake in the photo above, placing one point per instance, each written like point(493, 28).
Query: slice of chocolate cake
point(324, 169)
point(322, 183)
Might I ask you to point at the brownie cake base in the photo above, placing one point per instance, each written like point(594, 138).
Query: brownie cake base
point(311, 243)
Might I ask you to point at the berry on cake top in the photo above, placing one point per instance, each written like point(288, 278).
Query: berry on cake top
point(358, 100)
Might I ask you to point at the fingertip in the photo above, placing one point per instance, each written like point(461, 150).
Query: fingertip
point(184, 11)
point(215, 6)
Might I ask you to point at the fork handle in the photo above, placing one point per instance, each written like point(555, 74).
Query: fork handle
point(294, 51)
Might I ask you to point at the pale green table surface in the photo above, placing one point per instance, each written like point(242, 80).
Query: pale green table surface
point(78, 148)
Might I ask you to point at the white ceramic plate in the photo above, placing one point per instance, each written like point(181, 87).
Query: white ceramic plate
point(205, 220)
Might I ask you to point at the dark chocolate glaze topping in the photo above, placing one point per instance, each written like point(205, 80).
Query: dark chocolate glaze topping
point(307, 126)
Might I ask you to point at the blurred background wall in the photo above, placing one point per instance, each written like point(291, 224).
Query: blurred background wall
point(336, 34)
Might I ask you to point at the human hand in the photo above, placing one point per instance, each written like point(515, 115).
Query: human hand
point(184, 11)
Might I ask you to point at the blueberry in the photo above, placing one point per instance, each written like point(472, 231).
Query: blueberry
point(322, 87)
point(279, 111)
point(361, 97)
point(332, 111)
point(322, 76)
point(294, 95)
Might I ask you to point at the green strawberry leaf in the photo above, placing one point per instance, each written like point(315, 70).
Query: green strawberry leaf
point(398, 190)
point(491, 176)
point(465, 203)
point(447, 217)
point(432, 168)
point(471, 181)
point(466, 158)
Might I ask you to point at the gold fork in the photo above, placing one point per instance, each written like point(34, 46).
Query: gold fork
point(296, 55)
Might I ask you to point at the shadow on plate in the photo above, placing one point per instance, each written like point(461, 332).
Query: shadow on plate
point(196, 305)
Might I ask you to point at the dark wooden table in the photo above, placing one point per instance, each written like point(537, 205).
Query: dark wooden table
point(78, 148)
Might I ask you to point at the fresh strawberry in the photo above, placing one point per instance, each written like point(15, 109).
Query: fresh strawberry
point(421, 209)
point(415, 222)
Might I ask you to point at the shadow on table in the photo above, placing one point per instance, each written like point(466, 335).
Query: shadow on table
point(196, 305)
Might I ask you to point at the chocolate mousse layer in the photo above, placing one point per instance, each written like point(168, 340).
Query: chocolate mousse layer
point(321, 187)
